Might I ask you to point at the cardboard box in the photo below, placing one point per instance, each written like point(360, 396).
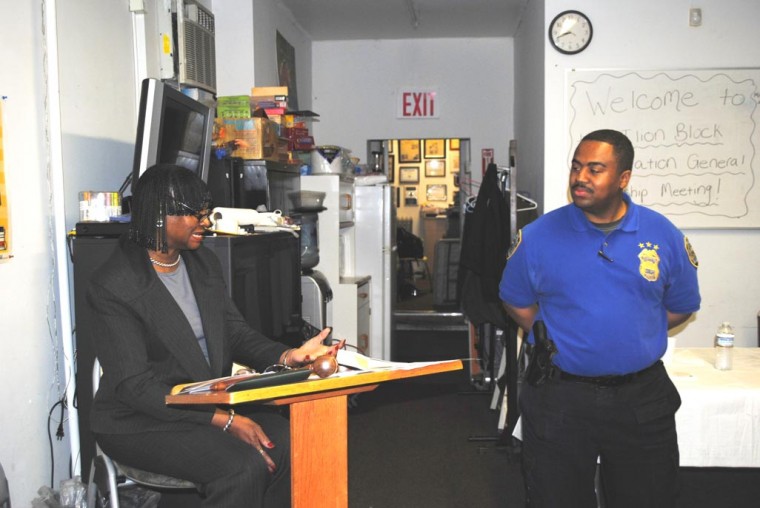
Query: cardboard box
point(269, 97)
point(269, 91)
point(282, 150)
point(294, 132)
point(303, 143)
point(254, 138)
point(233, 106)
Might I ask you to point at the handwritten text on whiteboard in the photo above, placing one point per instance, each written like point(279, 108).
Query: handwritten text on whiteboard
point(695, 135)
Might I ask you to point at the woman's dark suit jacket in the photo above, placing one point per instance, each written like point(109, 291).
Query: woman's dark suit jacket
point(146, 345)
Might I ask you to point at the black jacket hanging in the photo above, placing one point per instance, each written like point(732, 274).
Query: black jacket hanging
point(485, 242)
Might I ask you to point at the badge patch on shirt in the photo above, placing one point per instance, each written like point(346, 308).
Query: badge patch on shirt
point(516, 240)
point(690, 252)
point(649, 261)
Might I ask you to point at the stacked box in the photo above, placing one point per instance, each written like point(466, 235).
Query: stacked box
point(298, 138)
point(233, 106)
point(269, 97)
point(250, 137)
point(272, 99)
point(253, 138)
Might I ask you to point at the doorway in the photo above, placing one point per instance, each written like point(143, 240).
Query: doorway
point(428, 177)
point(425, 175)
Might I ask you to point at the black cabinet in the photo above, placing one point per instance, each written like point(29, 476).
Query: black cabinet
point(263, 276)
point(241, 183)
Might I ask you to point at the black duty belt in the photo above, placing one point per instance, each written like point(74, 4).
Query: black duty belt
point(607, 380)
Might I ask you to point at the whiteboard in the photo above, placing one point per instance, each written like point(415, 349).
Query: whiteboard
point(695, 134)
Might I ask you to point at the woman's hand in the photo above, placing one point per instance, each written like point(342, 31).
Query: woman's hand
point(313, 348)
point(247, 431)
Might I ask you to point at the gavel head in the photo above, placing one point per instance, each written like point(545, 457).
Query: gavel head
point(324, 366)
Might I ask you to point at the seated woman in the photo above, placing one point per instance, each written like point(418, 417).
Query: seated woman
point(163, 317)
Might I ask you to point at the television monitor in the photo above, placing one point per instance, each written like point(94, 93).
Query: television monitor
point(172, 128)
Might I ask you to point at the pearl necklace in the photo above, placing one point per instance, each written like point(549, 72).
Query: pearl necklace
point(165, 265)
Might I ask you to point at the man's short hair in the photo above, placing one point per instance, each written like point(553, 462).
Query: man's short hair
point(619, 141)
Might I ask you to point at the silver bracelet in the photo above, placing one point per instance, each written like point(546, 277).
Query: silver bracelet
point(229, 421)
point(287, 357)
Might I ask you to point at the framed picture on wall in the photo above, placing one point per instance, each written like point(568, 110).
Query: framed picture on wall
point(410, 196)
point(435, 148)
point(391, 167)
point(436, 193)
point(454, 144)
point(409, 150)
point(454, 158)
point(435, 168)
point(408, 174)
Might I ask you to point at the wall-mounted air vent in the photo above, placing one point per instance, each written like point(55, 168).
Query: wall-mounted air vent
point(195, 41)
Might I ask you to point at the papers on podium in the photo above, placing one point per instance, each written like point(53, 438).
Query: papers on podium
point(360, 362)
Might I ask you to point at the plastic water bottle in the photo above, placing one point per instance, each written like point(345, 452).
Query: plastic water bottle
point(724, 346)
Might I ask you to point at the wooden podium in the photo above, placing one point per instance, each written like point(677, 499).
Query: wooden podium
point(318, 425)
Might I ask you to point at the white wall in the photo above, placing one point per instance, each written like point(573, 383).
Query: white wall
point(97, 108)
point(98, 101)
point(529, 102)
point(233, 20)
point(651, 34)
point(246, 49)
point(356, 83)
point(29, 354)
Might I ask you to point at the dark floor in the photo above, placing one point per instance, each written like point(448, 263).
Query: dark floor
point(410, 446)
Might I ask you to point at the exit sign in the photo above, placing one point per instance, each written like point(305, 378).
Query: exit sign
point(418, 103)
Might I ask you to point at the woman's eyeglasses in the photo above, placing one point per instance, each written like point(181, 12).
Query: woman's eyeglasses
point(201, 215)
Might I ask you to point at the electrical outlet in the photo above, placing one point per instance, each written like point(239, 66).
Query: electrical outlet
point(695, 16)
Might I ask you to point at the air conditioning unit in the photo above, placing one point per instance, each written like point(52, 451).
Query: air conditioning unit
point(188, 51)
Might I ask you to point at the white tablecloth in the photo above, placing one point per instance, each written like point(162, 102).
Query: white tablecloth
point(719, 420)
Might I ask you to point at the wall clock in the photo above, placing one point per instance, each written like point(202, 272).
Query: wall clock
point(570, 32)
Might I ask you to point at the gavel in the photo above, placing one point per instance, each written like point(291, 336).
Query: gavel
point(324, 366)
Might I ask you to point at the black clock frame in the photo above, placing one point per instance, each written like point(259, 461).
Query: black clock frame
point(590, 32)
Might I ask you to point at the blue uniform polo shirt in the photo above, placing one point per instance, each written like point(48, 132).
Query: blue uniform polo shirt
point(605, 312)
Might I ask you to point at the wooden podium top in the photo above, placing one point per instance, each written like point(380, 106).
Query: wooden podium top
point(343, 382)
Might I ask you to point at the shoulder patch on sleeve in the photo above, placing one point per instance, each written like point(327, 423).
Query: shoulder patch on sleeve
point(690, 252)
point(516, 240)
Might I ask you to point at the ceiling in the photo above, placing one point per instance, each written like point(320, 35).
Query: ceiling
point(326, 20)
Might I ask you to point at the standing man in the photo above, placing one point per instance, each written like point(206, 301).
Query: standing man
point(608, 278)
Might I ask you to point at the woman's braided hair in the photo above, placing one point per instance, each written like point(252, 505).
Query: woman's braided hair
point(164, 189)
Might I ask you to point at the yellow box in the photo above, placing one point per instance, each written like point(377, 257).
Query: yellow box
point(269, 91)
point(254, 138)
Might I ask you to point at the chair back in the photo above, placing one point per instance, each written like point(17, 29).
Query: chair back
point(5, 495)
point(105, 472)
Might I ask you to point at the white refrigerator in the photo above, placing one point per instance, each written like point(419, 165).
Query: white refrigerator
point(375, 255)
